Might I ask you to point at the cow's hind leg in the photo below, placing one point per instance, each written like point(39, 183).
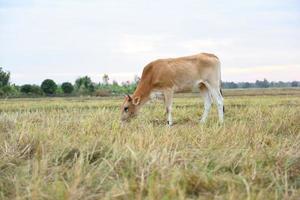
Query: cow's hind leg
point(168, 102)
point(207, 101)
point(219, 101)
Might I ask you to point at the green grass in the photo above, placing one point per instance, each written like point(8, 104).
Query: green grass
point(60, 148)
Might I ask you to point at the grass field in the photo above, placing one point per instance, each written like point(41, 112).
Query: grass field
point(75, 148)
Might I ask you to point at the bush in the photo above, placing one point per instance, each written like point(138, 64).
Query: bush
point(35, 89)
point(7, 89)
point(26, 89)
point(102, 93)
point(48, 86)
point(294, 84)
point(4, 78)
point(31, 89)
point(67, 87)
point(84, 85)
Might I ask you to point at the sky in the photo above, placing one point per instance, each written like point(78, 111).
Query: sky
point(66, 39)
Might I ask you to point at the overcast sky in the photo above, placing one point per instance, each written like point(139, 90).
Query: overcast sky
point(65, 39)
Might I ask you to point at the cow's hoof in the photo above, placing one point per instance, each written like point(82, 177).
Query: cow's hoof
point(201, 121)
point(169, 124)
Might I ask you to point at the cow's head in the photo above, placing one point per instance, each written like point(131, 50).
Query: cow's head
point(129, 108)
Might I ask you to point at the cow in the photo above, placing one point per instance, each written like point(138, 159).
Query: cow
point(176, 74)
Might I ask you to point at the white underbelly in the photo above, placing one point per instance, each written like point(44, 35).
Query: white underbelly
point(187, 85)
point(179, 86)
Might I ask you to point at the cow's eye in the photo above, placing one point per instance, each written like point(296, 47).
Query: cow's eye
point(126, 109)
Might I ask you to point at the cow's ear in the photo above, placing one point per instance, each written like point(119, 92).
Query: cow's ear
point(136, 101)
point(128, 97)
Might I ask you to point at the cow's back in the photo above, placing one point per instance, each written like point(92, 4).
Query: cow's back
point(182, 72)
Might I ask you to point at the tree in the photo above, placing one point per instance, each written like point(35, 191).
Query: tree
point(84, 84)
point(67, 87)
point(105, 79)
point(31, 89)
point(35, 89)
point(262, 84)
point(294, 84)
point(49, 86)
point(26, 89)
point(246, 85)
point(4, 78)
point(229, 85)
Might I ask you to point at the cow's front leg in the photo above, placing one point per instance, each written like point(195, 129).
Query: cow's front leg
point(169, 116)
point(168, 102)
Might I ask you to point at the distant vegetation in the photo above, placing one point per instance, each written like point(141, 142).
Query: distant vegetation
point(260, 84)
point(85, 86)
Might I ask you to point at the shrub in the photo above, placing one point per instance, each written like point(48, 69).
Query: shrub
point(35, 89)
point(67, 87)
point(31, 89)
point(294, 84)
point(84, 85)
point(26, 89)
point(102, 93)
point(4, 78)
point(48, 86)
point(8, 90)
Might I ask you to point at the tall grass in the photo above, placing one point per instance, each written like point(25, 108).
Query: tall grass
point(77, 149)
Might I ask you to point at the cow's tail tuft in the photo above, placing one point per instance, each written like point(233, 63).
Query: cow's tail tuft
point(222, 96)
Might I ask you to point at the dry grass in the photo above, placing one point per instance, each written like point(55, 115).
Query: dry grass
point(76, 149)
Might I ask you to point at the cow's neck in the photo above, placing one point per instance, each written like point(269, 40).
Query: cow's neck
point(143, 91)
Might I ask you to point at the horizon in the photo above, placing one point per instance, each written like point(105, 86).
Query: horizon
point(111, 80)
point(63, 40)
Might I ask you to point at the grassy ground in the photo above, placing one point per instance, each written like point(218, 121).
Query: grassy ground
point(76, 149)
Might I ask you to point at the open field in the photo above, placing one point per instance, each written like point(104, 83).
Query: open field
point(75, 148)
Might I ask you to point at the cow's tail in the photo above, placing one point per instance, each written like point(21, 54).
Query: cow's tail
point(221, 92)
point(220, 86)
point(222, 96)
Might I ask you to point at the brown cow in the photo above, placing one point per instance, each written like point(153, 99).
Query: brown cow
point(177, 74)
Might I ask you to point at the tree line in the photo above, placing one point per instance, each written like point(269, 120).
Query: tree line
point(85, 86)
point(260, 84)
point(82, 86)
